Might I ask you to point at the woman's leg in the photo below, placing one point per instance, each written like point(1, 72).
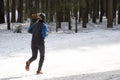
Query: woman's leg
point(42, 55)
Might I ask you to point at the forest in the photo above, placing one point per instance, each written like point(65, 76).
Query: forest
point(59, 11)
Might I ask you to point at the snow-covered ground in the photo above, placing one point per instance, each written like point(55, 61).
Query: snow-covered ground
point(90, 54)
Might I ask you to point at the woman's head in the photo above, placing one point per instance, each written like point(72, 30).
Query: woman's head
point(41, 17)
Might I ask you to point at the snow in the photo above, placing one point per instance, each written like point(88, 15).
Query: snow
point(90, 54)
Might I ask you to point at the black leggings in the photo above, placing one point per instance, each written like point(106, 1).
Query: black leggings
point(35, 49)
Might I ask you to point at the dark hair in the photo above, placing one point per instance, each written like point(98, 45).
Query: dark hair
point(42, 16)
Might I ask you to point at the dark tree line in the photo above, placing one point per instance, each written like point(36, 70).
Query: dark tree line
point(62, 11)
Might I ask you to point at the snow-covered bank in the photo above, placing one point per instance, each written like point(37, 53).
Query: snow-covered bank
point(85, 54)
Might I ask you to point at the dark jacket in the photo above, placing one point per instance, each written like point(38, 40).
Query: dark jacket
point(39, 32)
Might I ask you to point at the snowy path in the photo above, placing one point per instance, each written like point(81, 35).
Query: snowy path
point(113, 75)
point(82, 56)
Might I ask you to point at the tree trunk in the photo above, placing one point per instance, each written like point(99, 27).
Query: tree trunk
point(20, 11)
point(97, 8)
point(118, 4)
point(80, 12)
point(27, 10)
point(8, 15)
point(119, 14)
point(76, 29)
point(75, 12)
point(110, 14)
point(67, 13)
point(84, 18)
point(13, 18)
point(59, 14)
point(37, 5)
point(114, 11)
point(101, 10)
point(2, 19)
point(94, 11)
point(84, 13)
point(50, 11)
point(114, 8)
